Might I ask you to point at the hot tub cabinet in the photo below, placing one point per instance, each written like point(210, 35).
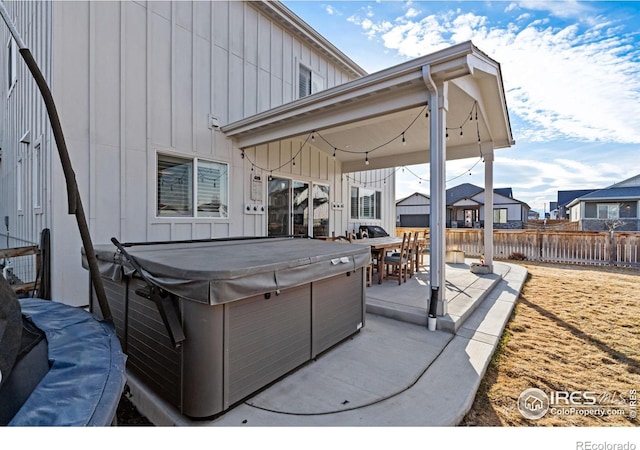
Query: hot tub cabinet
point(230, 316)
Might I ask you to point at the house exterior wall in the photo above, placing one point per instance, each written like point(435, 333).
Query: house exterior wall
point(381, 180)
point(582, 212)
point(415, 208)
point(131, 79)
point(517, 214)
point(26, 219)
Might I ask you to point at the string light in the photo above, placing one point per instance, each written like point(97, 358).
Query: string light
point(311, 136)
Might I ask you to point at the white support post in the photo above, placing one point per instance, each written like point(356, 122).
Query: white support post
point(439, 103)
point(488, 208)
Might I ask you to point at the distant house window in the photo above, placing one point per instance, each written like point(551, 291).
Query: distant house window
point(365, 204)
point(309, 82)
point(188, 185)
point(500, 215)
point(608, 211)
point(12, 63)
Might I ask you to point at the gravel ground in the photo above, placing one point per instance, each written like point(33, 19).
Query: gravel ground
point(128, 415)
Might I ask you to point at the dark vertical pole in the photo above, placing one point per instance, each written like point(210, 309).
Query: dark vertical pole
point(74, 201)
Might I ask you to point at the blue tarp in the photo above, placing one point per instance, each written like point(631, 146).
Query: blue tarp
point(87, 375)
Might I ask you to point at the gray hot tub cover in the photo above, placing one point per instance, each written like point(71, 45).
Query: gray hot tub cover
point(216, 272)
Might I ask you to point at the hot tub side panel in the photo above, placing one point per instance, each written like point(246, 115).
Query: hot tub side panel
point(139, 326)
point(265, 339)
point(338, 309)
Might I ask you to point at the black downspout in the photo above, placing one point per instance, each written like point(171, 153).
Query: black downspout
point(433, 303)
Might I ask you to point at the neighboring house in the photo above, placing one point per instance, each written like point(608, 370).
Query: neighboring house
point(465, 208)
point(554, 213)
point(566, 197)
point(600, 209)
point(196, 120)
point(533, 215)
point(413, 211)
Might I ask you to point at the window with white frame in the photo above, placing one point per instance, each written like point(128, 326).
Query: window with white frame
point(309, 82)
point(608, 211)
point(12, 63)
point(366, 204)
point(500, 215)
point(192, 187)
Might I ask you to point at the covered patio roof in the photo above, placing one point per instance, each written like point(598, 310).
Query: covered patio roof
point(366, 118)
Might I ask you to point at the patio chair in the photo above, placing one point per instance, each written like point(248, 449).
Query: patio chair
point(425, 248)
point(397, 264)
point(414, 255)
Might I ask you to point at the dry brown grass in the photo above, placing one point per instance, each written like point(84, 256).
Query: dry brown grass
point(574, 328)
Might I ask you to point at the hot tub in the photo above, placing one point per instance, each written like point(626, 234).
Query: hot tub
point(225, 318)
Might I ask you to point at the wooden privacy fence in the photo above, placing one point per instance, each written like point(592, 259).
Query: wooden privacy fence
point(574, 247)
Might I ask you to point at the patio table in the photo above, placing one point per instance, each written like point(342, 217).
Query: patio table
point(379, 247)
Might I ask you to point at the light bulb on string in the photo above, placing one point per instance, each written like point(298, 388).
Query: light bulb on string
point(334, 153)
point(461, 135)
point(366, 158)
point(404, 141)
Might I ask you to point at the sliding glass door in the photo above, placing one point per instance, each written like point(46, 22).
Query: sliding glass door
point(297, 208)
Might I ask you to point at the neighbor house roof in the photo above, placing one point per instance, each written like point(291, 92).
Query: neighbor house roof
point(566, 197)
point(464, 190)
point(468, 190)
point(505, 192)
point(412, 195)
point(613, 193)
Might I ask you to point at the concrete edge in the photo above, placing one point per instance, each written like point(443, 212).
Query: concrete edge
point(514, 279)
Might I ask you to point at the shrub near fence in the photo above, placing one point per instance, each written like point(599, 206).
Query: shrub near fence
point(573, 247)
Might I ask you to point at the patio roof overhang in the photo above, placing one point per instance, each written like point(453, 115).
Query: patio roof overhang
point(359, 116)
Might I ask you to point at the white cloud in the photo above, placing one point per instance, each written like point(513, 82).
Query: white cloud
point(563, 9)
point(561, 81)
point(411, 13)
point(332, 11)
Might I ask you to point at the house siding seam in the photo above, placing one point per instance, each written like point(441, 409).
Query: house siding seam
point(131, 79)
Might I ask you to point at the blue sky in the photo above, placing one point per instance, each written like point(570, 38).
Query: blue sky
point(571, 73)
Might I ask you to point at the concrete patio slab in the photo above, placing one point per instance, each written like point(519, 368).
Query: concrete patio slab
point(391, 373)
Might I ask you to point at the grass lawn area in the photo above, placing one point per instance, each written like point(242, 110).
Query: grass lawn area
point(574, 329)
